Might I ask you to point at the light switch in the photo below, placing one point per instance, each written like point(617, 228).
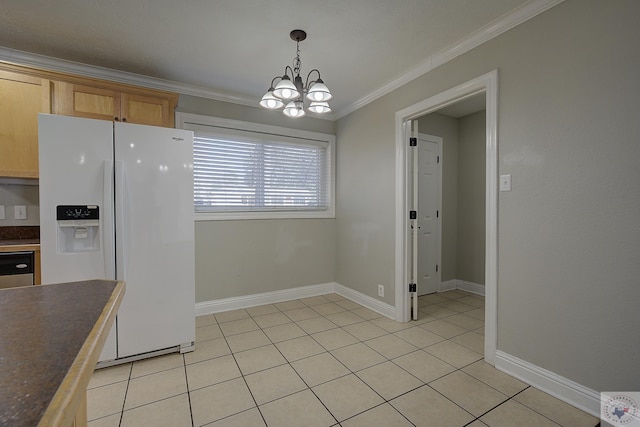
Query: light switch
point(20, 212)
point(2, 212)
point(505, 182)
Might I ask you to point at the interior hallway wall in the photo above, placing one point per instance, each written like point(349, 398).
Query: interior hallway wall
point(471, 197)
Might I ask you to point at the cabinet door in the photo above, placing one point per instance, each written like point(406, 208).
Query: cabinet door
point(85, 101)
point(146, 110)
point(22, 98)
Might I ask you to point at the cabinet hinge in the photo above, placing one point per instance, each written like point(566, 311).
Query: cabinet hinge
point(413, 214)
point(413, 142)
point(412, 287)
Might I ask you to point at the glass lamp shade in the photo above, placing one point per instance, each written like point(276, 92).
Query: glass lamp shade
point(285, 89)
point(271, 102)
point(320, 107)
point(294, 109)
point(319, 92)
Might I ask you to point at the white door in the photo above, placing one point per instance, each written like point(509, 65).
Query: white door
point(154, 237)
point(428, 193)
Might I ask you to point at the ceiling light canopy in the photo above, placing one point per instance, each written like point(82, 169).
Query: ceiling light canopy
point(290, 90)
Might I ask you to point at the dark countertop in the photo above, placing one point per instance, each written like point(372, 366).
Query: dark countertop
point(19, 232)
point(44, 330)
point(19, 238)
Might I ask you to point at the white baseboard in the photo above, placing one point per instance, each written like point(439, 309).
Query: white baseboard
point(564, 389)
point(449, 285)
point(366, 301)
point(236, 303)
point(463, 285)
point(474, 288)
point(246, 301)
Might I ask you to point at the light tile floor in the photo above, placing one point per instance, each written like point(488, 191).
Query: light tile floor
point(326, 361)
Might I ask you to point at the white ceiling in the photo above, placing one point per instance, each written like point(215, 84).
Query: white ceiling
point(233, 48)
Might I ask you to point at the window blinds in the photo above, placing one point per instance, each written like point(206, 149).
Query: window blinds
point(240, 174)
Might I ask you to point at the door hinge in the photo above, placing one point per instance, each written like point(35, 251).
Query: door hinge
point(413, 142)
point(437, 214)
point(413, 214)
point(436, 268)
point(437, 159)
point(412, 287)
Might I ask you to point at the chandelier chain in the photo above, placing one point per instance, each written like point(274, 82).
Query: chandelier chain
point(297, 63)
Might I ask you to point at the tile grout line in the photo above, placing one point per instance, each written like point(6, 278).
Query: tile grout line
point(293, 368)
point(242, 375)
point(186, 380)
point(125, 394)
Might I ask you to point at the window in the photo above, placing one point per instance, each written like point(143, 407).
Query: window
point(247, 170)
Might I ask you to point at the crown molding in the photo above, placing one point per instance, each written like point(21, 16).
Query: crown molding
point(69, 67)
point(474, 39)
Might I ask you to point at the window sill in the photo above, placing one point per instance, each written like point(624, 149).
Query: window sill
point(232, 216)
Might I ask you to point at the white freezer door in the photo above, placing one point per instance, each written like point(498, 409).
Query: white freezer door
point(75, 169)
point(154, 237)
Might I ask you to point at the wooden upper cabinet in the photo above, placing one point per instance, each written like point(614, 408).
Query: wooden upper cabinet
point(25, 92)
point(85, 101)
point(154, 108)
point(22, 97)
point(147, 110)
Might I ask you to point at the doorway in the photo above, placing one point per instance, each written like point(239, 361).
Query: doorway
point(405, 271)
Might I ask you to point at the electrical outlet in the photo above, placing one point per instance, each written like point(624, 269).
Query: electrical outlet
point(20, 212)
point(381, 291)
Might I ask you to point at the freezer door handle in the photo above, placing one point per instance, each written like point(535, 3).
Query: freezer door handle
point(121, 240)
point(107, 221)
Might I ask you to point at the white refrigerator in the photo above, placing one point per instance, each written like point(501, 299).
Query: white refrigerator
point(116, 202)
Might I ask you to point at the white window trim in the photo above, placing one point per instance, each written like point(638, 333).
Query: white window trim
point(189, 120)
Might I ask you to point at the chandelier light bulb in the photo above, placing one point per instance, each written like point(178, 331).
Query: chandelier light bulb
point(285, 89)
point(320, 107)
point(271, 102)
point(294, 109)
point(319, 92)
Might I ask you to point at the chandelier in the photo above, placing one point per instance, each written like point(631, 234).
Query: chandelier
point(293, 92)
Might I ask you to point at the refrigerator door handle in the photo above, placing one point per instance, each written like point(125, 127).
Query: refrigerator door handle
point(107, 221)
point(121, 243)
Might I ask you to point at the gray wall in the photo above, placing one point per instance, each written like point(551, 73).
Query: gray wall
point(471, 197)
point(569, 239)
point(12, 194)
point(235, 258)
point(245, 257)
